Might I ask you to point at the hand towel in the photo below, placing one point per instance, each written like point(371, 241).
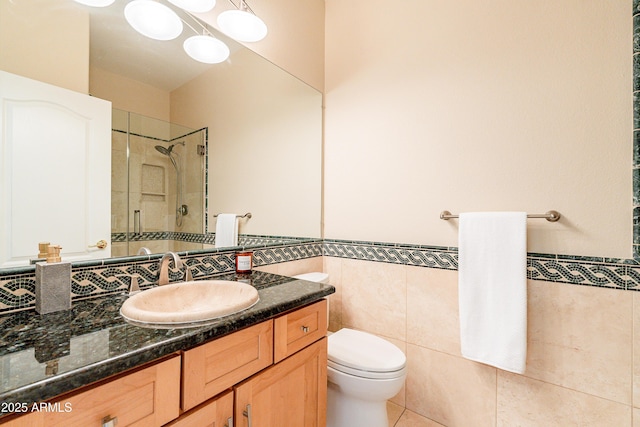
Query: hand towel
point(226, 230)
point(492, 288)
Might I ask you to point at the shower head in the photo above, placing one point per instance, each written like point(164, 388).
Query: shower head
point(164, 150)
point(167, 150)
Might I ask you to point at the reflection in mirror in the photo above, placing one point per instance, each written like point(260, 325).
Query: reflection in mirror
point(264, 127)
point(157, 187)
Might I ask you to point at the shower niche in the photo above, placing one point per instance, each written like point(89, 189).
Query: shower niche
point(157, 192)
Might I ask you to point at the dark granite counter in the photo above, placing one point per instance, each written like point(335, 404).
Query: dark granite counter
point(42, 356)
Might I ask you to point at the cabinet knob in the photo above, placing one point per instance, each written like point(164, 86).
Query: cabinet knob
point(305, 329)
point(109, 421)
point(229, 422)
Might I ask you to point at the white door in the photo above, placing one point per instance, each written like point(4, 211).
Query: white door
point(55, 171)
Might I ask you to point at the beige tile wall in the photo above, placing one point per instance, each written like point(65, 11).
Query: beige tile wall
point(582, 365)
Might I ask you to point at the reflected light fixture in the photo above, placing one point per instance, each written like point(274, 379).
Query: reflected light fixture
point(157, 21)
point(206, 49)
point(96, 3)
point(196, 6)
point(242, 24)
point(153, 19)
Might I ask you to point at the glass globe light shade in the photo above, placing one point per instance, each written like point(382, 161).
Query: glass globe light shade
point(153, 19)
point(195, 5)
point(206, 49)
point(96, 3)
point(242, 25)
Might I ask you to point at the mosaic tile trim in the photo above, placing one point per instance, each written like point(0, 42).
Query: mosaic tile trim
point(204, 238)
point(636, 129)
point(576, 270)
point(17, 286)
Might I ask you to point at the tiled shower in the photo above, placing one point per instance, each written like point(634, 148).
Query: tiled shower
point(158, 184)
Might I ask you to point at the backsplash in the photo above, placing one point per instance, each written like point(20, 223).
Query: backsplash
point(94, 278)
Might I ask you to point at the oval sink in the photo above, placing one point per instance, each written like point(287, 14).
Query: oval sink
point(189, 302)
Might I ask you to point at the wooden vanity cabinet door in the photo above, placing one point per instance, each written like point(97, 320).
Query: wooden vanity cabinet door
point(216, 413)
point(211, 368)
point(296, 330)
point(292, 393)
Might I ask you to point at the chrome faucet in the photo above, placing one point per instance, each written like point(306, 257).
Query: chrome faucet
point(163, 277)
point(163, 271)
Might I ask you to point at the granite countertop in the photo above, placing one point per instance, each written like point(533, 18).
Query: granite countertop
point(42, 356)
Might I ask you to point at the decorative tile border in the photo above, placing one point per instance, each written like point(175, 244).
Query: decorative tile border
point(93, 278)
point(636, 129)
point(587, 271)
point(204, 238)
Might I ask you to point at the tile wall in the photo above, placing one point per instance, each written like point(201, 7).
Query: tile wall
point(582, 364)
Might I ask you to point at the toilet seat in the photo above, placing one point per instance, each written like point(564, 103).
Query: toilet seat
point(365, 355)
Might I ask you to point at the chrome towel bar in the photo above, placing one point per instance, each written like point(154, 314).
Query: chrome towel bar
point(551, 216)
point(247, 215)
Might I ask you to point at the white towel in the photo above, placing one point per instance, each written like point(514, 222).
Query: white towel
point(492, 288)
point(226, 230)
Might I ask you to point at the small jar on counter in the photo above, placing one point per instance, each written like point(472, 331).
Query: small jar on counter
point(244, 262)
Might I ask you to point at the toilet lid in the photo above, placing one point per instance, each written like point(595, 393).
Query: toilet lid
point(365, 352)
point(313, 277)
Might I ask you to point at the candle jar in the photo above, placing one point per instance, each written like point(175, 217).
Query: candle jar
point(244, 262)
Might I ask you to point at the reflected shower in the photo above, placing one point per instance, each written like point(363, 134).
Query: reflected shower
point(181, 209)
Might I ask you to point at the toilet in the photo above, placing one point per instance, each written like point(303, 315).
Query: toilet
point(363, 372)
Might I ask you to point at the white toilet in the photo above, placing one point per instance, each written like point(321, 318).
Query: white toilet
point(363, 372)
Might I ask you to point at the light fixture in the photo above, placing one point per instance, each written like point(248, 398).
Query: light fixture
point(196, 6)
point(206, 49)
point(96, 3)
point(153, 19)
point(242, 24)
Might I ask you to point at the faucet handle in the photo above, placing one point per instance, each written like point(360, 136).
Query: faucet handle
point(188, 276)
point(134, 286)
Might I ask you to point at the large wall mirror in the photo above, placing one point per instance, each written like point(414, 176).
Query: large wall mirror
point(189, 140)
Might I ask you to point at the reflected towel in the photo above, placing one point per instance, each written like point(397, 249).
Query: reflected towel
point(226, 230)
point(492, 287)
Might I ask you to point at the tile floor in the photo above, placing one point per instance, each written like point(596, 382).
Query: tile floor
point(401, 417)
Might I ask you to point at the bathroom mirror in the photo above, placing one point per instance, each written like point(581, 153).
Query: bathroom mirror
point(254, 162)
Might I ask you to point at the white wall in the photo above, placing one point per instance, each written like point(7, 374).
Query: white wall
point(493, 105)
point(265, 130)
point(30, 35)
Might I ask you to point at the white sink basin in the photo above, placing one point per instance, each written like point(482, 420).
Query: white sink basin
point(189, 302)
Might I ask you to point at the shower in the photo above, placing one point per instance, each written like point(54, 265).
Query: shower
point(181, 209)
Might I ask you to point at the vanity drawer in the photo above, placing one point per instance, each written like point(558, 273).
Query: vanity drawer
point(148, 397)
point(211, 368)
point(298, 329)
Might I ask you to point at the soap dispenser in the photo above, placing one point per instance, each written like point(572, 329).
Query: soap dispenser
point(53, 283)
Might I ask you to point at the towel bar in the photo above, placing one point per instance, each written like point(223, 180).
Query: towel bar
point(247, 215)
point(551, 216)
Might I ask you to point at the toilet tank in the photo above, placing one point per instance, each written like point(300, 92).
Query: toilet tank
point(317, 277)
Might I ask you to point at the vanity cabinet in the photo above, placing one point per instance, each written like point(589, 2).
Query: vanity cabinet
point(272, 374)
point(292, 393)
